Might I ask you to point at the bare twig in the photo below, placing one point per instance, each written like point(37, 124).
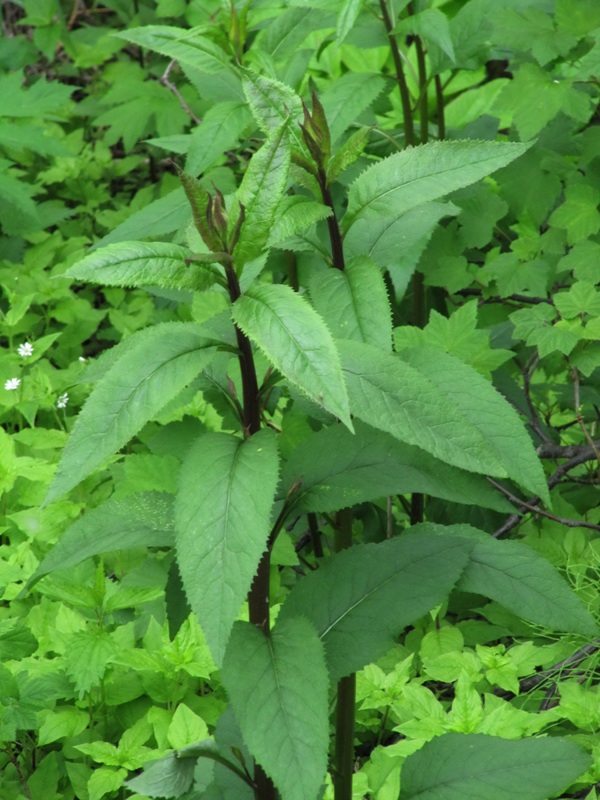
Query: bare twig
point(172, 88)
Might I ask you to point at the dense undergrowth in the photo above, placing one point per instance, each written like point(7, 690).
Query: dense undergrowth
point(103, 669)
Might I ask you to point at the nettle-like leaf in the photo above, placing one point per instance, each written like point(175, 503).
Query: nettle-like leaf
point(188, 47)
point(271, 103)
point(296, 213)
point(153, 369)
point(140, 520)
point(336, 469)
point(222, 521)
point(420, 174)
point(455, 766)
point(297, 341)
point(354, 302)
point(486, 411)
point(145, 264)
point(278, 689)
point(220, 129)
point(517, 577)
point(348, 153)
point(362, 598)
point(405, 399)
point(260, 193)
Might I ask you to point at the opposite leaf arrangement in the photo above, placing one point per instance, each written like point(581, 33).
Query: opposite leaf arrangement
point(383, 423)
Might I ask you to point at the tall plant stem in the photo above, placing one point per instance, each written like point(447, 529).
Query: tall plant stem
point(423, 104)
point(409, 128)
point(346, 691)
point(335, 235)
point(258, 596)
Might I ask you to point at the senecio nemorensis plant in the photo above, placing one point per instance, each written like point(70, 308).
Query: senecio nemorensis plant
point(314, 347)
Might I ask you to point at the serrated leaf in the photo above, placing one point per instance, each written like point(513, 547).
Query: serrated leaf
point(222, 523)
point(354, 302)
point(454, 766)
point(189, 47)
point(220, 129)
point(134, 264)
point(486, 411)
point(271, 103)
point(336, 469)
point(348, 153)
point(420, 174)
point(296, 213)
point(347, 97)
point(581, 298)
point(142, 520)
point(362, 598)
point(151, 372)
point(517, 577)
point(260, 193)
point(278, 689)
point(295, 338)
point(87, 658)
point(165, 215)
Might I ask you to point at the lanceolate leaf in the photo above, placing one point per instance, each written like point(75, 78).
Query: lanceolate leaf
point(393, 396)
point(143, 264)
point(455, 767)
point(278, 690)
point(514, 575)
point(150, 373)
point(362, 598)
point(271, 103)
point(482, 407)
point(347, 97)
point(297, 341)
point(347, 16)
point(140, 520)
point(336, 469)
point(189, 47)
point(220, 129)
point(222, 520)
point(260, 193)
point(354, 303)
point(419, 174)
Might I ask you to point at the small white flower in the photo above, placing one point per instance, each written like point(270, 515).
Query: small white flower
point(12, 384)
point(62, 400)
point(81, 358)
point(25, 350)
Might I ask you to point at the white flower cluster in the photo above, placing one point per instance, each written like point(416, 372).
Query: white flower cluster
point(62, 400)
point(12, 384)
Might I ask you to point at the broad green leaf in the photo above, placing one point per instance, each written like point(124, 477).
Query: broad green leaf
point(393, 396)
point(15, 136)
point(432, 26)
point(295, 338)
point(143, 264)
point(45, 99)
point(347, 17)
point(581, 298)
point(222, 522)
point(336, 469)
point(396, 184)
point(87, 657)
point(288, 30)
point(362, 598)
point(578, 214)
point(517, 577)
point(348, 153)
point(105, 780)
point(141, 520)
point(186, 728)
point(271, 103)
point(260, 193)
point(486, 411)
point(65, 722)
point(165, 215)
point(220, 129)
point(347, 97)
point(278, 688)
point(189, 47)
point(296, 213)
point(354, 302)
point(454, 766)
point(151, 372)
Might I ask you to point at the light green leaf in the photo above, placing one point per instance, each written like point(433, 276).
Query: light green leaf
point(295, 338)
point(347, 97)
point(454, 766)
point(278, 689)
point(432, 26)
point(150, 373)
point(354, 302)
point(348, 153)
point(142, 520)
point(581, 298)
point(222, 520)
point(143, 264)
point(186, 728)
point(64, 722)
point(271, 103)
point(296, 213)
point(220, 129)
point(362, 598)
point(347, 16)
point(260, 193)
point(337, 469)
point(189, 47)
point(165, 215)
point(486, 411)
point(87, 658)
point(420, 174)
point(288, 29)
point(105, 781)
point(578, 214)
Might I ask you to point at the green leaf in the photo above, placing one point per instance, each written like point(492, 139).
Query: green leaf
point(271, 103)
point(336, 469)
point(165, 215)
point(578, 214)
point(354, 302)
point(296, 213)
point(278, 689)
point(142, 520)
point(347, 16)
point(260, 193)
point(362, 598)
point(347, 97)
point(104, 781)
point(348, 153)
point(454, 766)
point(222, 521)
point(87, 657)
point(517, 577)
point(420, 174)
point(186, 728)
point(432, 26)
point(288, 30)
point(65, 722)
point(581, 298)
point(220, 129)
point(151, 372)
point(189, 47)
point(486, 411)
point(143, 264)
point(295, 338)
